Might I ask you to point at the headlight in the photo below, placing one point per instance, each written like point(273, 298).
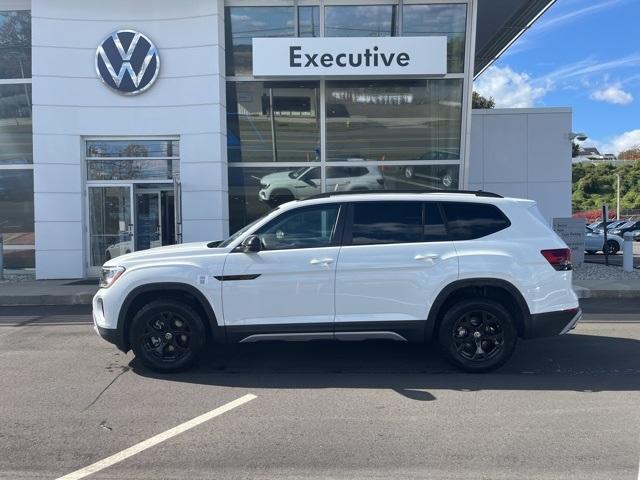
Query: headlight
point(616, 232)
point(109, 275)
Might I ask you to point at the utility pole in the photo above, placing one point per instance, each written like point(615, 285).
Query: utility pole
point(617, 196)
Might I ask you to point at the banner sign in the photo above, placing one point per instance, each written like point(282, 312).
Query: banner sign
point(351, 56)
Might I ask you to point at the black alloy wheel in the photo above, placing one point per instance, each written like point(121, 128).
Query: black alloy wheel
point(477, 335)
point(167, 335)
point(611, 247)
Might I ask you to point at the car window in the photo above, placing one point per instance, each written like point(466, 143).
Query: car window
point(310, 227)
point(434, 227)
point(467, 221)
point(386, 222)
point(313, 174)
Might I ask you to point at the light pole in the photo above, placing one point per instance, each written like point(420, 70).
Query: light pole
point(617, 196)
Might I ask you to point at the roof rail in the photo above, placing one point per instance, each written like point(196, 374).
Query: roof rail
point(477, 193)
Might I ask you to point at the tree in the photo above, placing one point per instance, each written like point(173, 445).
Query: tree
point(478, 101)
point(575, 149)
point(631, 154)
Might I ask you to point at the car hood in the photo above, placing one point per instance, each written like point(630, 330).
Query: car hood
point(171, 252)
point(278, 177)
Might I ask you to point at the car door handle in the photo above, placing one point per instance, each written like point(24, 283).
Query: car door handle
point(321, 261)
point(427, 256)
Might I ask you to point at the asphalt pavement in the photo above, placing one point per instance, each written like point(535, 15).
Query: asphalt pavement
point(562, 408)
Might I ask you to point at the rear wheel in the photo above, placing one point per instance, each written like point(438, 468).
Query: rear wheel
point(477, 335)
point(167, 335)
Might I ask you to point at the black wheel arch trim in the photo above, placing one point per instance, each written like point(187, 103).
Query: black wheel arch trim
point(122, 342)
point(435, 314)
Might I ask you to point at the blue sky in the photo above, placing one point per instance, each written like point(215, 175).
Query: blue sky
point(584, 54)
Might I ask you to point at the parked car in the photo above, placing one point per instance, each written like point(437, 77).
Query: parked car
point(594, 242)
point(472, 271)
point(623, 228)
point(610, 225)
point(281, 187)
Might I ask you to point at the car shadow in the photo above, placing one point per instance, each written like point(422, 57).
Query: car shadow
point(574, 362)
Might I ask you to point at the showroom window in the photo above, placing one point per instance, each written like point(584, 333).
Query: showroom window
point(434, 19)
point(16, 140)
point(361, 21)
point(393, 119)
point(273, 121)
point(132, 159)
point(293, 138)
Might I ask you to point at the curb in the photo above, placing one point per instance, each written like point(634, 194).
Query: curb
point(582, 292)
point(46, 300)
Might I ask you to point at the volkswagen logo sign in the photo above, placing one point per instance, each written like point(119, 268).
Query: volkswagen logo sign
point(128, 62)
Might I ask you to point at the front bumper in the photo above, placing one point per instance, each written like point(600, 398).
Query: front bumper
point(550, 324)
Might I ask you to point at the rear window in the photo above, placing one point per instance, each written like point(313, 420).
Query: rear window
point(386, 222)
point(467, 221)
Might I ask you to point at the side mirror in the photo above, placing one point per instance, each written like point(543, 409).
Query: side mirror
point(252, 244)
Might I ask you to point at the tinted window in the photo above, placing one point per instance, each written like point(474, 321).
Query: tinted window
point(466, 221)
point(434, 228)
point(302, 228)
point(386, 222)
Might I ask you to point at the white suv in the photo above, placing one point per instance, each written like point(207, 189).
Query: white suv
point(470, 270)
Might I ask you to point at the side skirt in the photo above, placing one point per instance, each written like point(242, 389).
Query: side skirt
point(413, 331)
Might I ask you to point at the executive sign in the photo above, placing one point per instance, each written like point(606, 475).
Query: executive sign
point(128, 62)
point(352, 56)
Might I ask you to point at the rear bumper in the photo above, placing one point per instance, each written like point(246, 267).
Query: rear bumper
point(550, 324)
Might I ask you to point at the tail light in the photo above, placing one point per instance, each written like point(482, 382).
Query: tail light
point(559, 258)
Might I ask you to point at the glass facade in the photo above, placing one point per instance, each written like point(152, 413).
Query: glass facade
point(273, 121)
point(16, 140)
point(393, 119)
point(360, 21)
point(438, 19)
point(290, 139)
point(132, 160)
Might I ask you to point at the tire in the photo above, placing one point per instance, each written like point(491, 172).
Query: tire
point(279, 197)
point(611, 247)
point(590, 252)
point(167, 336)
point(492, 341)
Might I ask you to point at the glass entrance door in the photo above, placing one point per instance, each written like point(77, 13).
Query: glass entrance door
point(111, 230)
point(148, 220)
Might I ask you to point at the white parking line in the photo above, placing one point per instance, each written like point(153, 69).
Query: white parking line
point(155, 440)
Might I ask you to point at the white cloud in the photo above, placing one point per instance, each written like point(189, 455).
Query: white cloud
point(510, 89)
point(619, 143)
point(613, 94)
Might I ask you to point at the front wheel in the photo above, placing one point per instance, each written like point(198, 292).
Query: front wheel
point(611, 247)
point(167, 335)
point(477, 335)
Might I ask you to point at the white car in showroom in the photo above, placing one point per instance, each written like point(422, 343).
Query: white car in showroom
point(281, 187)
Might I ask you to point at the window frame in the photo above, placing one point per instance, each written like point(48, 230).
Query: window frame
point(337, 231)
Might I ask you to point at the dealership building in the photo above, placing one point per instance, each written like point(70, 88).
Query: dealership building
point(128, 125)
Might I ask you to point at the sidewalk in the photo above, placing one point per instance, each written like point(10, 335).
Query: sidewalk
point(80, 292)
point(48, 292)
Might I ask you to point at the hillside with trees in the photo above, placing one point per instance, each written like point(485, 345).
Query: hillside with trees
point(595, 184)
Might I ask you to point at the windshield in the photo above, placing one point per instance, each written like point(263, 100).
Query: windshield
point(241, 232)
point(297, 173)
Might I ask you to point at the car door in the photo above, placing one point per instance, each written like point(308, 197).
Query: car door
point(395, 258)
point(288, 286)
